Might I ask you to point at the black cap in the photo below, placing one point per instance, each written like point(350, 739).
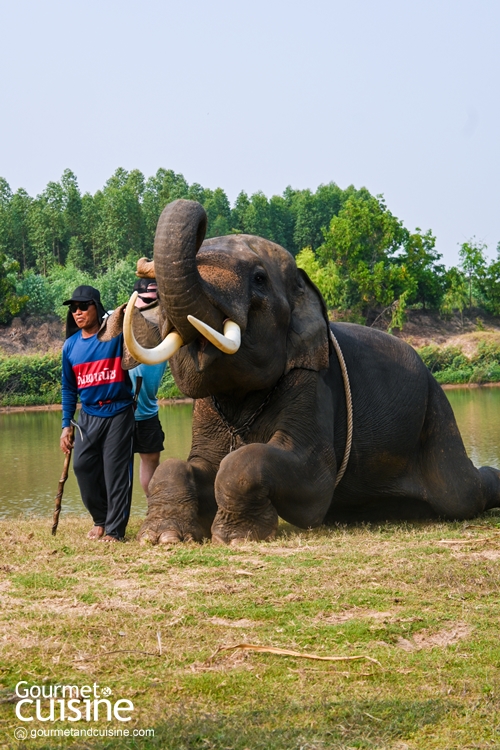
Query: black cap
point(83, 293)
point(141, 285)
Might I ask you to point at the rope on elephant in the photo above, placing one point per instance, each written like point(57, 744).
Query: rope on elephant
point(348, 400)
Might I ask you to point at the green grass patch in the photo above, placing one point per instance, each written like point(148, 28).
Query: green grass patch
point(168, 388)
point(43, 582)
point(32, 379)
point(149, 622)
point(450, 365)
point(35, 380)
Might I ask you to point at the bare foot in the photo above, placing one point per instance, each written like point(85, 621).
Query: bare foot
point(96, 532)
point(109, 538)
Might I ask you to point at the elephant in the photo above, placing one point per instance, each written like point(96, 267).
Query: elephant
point(287, 403)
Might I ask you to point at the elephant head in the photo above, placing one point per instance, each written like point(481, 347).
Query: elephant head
point(235, 312)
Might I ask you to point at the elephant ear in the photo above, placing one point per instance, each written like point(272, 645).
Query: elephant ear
point(112, 325)
point(308, 342)
point(146, 331)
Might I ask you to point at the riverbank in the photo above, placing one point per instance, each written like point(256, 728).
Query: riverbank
point(457, 352)
point(58, 407)
point(375, 661)
point(35, 380)
point(180, 401)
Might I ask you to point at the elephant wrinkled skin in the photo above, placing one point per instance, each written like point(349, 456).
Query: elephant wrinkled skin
point(270, 421)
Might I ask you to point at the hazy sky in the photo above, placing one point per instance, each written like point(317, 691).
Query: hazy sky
point(399, 96)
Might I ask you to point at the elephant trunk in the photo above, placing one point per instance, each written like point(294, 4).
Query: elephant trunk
point(179, 235)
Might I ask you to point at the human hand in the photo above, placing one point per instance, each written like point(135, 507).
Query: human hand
point(66, 440)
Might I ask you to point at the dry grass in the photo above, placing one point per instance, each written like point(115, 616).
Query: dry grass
point(468, 343)
point(421, 599)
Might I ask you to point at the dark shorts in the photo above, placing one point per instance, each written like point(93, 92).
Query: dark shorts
point(148, 435)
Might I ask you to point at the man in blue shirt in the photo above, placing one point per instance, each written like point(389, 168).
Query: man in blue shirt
point(149, 436)
point(92, 370)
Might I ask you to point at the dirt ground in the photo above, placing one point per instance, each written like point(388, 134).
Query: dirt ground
point(33, 335)
point(424, 328)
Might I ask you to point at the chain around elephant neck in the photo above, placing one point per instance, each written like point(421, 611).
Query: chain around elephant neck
point(236, 432)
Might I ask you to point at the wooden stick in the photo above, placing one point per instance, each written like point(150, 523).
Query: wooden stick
point(60, 489)
point(287, 652)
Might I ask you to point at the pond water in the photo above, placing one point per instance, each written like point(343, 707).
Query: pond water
point(31, 461)
point(477, 411)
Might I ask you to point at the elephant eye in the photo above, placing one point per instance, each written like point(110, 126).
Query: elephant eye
point(260, 278)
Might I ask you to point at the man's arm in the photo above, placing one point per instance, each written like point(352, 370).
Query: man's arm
point(69, 400)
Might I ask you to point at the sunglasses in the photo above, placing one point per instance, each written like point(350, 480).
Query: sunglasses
point(83, 306)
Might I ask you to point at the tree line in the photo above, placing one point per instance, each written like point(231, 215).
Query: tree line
point(359, 254)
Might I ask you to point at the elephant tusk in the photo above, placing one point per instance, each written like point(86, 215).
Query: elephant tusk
point(166, 349)
point(229, 342)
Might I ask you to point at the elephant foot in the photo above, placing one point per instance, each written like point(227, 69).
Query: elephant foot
point(169, 537)
point(231, 528)
point(169, 531)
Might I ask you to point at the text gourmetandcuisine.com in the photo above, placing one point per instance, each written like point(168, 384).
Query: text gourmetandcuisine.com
point(23, 734)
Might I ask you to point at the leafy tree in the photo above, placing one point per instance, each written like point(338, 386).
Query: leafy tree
point(257, 216)
point(38, 291)
point(53, 197)
point(473, 263)
point(91, 233)
point(313, 213)
point(238, 212)
point(359, 254)
point(456, 294)
point(40, 234)
point(13, 224)
point(5, 193)
point(307, 233)
point(361, 241)
point(218, 209)
point(120, 231)
point(11, 304)
point(364, 230)
point(488, 285)
point(20, 246)
point(63, 281)
point(326, 277)
point(196, 193)
point(419, 257)
point(116, 284)
point(281, 223)
point(329, 201)
point(71, 204)
point(164, 187)
point(398, 317)
point(5, 218)
point(77, 256)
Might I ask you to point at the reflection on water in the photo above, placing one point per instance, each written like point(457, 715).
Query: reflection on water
point(477, 411)
point(31, 461)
